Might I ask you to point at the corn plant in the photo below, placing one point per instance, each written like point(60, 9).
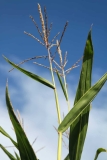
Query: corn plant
point(76, 121)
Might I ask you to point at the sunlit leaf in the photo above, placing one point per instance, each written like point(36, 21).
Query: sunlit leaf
point(31, 75)
point(11, 157)
point(8, 136)
point(83, 102)
point(78, 129)
point(98, 152)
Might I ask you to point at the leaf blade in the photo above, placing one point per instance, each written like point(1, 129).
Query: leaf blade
point(62, 86)
point(11, 157)
point(31, 75)
point(83, 102)
point(8, 136)
point(17, 156)
point(25, 149)
point(78, 129)
point(99, 150)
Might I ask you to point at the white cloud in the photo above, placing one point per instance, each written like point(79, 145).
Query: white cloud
point(37, 107)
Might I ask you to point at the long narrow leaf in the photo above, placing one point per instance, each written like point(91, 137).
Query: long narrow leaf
point(31, 75)
point(83, 102)
point(98, 152)
point(8, 153)
point(78, 129)
point(7, 135)
point(25, 149)
point(17, 156)
point(62, 86)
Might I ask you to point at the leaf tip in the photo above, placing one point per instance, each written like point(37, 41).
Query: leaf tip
point(4, 57)
point(91, 27)
point(7, 83)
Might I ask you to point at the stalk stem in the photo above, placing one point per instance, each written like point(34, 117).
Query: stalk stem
point(59, 150)
point(59, 146)
point(55, 92)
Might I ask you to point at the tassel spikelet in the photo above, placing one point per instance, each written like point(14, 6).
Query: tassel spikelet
point(74, 66)
point(57, 64)
point(54, 69)
point(36, 26)
point(41, 18)
point(45, 35)
point(29, 59)
point(46, 23)
point(50, 28)
point(33, 37)
point(55, 37)
point(59, 52)
point(65, 57)
point(63, 32)
point(61, 37)
point(43, 25)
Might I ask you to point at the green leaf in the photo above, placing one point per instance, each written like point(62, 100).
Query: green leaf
point(25, 149)
point(7, 135)
point(17, 156)
point(8, 153)
point(83, 102)
point(31, 75)
point(78, 129)
point(99, 151)
point(62, 85)
point(67, 157)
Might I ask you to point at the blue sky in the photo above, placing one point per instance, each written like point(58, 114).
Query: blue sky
point(14, 44)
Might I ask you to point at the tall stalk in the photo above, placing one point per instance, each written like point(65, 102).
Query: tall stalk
point(58, 109)
point(44, 34)
point(78, 116)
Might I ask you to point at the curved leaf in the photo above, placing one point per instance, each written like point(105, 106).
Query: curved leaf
point(7, 135)
point(31, 75)
point(99, 151)
point(8, 153)
point(17, 156)
point(83, 102)
point(25, 149)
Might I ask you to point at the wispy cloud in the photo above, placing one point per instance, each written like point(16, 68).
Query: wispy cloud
point(37, 107)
